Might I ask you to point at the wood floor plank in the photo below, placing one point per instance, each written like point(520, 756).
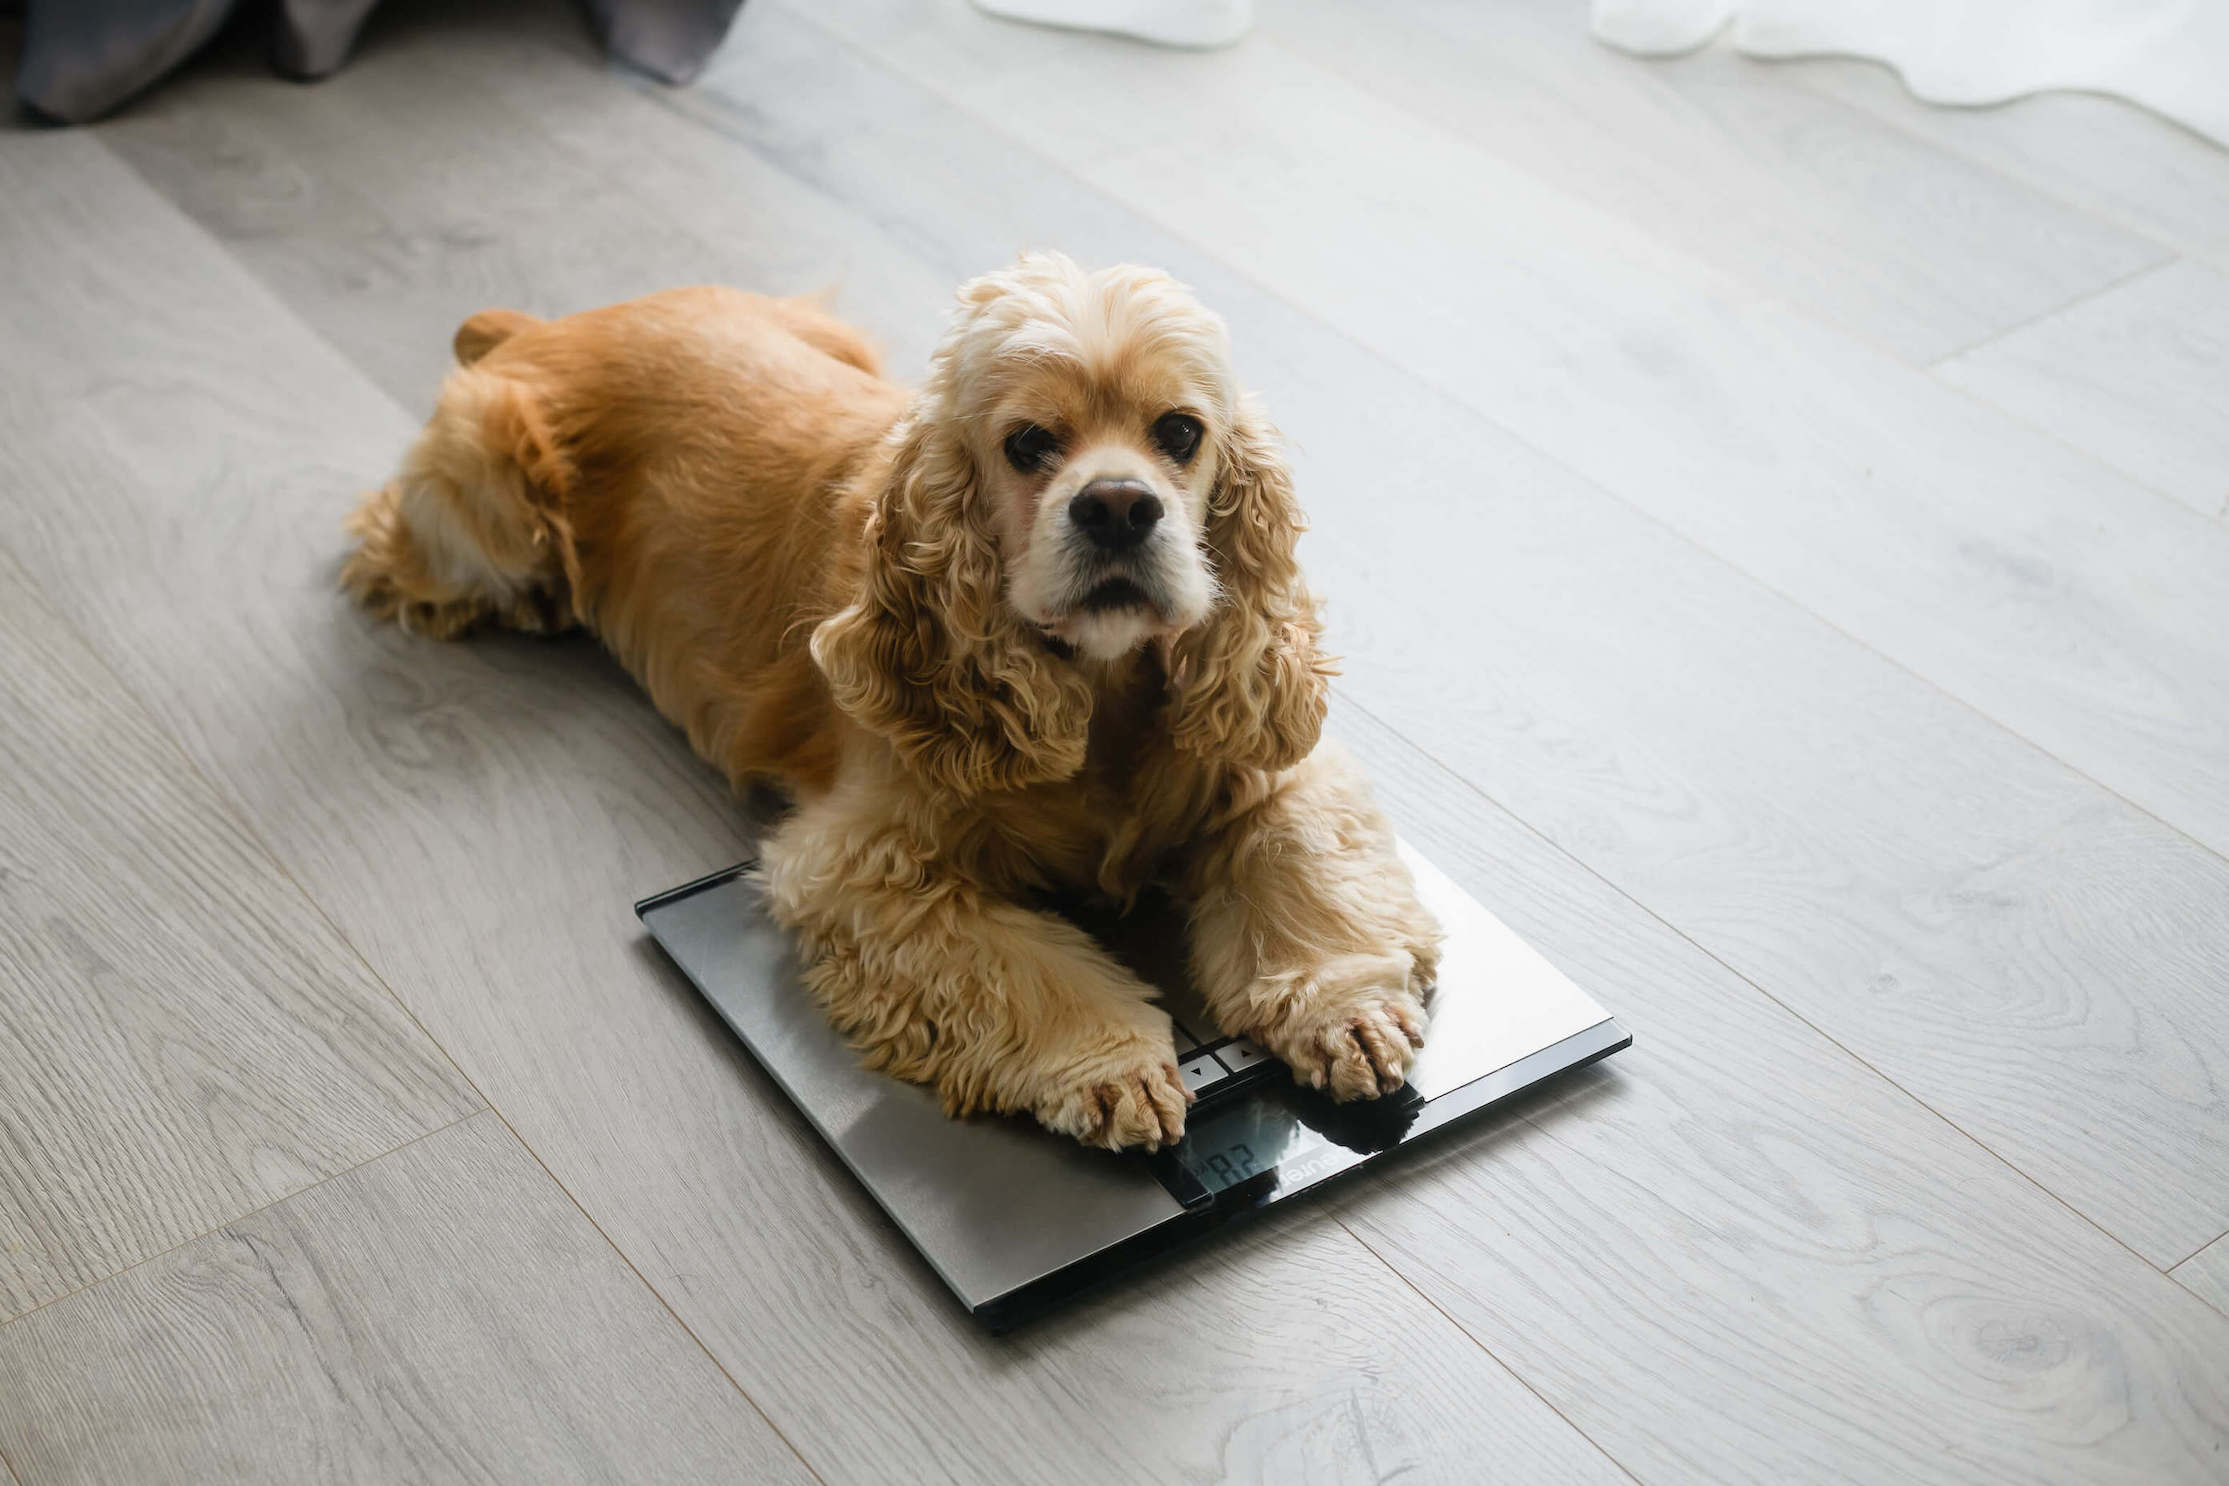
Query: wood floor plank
point(2206, 1273)
point(477, 819)
point(1905, 873)
point(2097, 153)
point(1736, 1254)
point(1809, 199)
point(182, 1038)
point(490, 248)
point(330, 240)
point(2138, 376)
point(1992, 931)
point(2079, 609)
point(443, 1313)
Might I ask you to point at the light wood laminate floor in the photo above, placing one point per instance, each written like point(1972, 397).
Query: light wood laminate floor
point(1776, 532)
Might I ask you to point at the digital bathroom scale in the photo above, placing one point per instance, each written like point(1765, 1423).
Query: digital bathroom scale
point(1015, 1219)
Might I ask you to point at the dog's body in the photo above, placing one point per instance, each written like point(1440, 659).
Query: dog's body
point(1036, 630)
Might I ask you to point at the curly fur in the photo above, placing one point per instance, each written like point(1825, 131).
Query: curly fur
point(1250, 688)
point(928, 653)
point(851, 592)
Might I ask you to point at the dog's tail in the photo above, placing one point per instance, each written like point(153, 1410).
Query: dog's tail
point(473, 527)
point(488, 329)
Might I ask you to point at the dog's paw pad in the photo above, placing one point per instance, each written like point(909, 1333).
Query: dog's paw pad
point(1352, 1051)
point(1142, 1109)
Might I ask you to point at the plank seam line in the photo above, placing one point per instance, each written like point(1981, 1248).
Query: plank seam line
point(2086, 296)
point(1935, 372)
point(1476, 1341)
point(2044, 431)
point(253, 1212)
point(659, 1295)
point(2205, 1300)
point(2194, 1253)
point(1832, 1041)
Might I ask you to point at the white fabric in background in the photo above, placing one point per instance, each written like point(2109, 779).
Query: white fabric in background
point(2171, 56)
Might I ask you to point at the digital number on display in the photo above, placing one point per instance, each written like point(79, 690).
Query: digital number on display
point(1229, 1167)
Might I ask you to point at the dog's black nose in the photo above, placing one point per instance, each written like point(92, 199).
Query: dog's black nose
point(1115, 514)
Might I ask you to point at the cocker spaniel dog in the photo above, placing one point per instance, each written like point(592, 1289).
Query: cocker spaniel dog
point(1035, 629)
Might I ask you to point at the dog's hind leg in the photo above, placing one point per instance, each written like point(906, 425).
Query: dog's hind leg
point(471, 530)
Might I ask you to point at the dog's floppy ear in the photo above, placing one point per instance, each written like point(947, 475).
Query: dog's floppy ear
point(1248, 685)
point(927, 652)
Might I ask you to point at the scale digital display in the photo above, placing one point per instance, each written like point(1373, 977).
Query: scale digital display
point(1268, 1131)
point(1248, 1137)
point(1227, 1168)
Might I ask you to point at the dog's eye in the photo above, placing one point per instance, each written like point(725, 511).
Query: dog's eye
point(1029, 448)
point(1178, 434)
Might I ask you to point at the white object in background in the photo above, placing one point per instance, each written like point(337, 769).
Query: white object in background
point(1188, 23)
point(2171, 56)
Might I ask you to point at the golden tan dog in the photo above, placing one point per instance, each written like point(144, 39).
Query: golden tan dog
point(1036, 628)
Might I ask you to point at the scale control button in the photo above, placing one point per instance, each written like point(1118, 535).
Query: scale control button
point(1185, 1041)
point(1241, 1054)
point(1202, 1071)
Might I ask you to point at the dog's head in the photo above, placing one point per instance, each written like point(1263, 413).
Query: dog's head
point(1079, 478)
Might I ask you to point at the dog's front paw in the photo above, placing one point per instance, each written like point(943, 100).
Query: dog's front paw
point(1140, 1106)
point(1355, 1042)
